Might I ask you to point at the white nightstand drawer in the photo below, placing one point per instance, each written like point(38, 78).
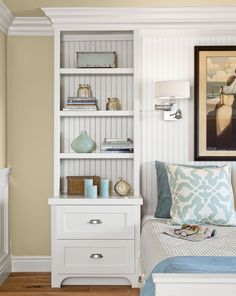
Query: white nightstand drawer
point(95, 222)
point(98, 256)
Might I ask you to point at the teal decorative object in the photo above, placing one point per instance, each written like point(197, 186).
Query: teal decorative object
point(104, 187)
point(201, 196)
point(83, 143)
point(93, 191)
point(87, 183)
point(163, 189)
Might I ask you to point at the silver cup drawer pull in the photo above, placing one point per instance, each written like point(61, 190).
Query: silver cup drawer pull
point(96, 256)
point(95, 221)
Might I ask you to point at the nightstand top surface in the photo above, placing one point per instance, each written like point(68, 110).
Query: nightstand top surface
point(80, 200)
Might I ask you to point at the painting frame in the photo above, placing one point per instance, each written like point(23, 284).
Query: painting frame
point(203, 151)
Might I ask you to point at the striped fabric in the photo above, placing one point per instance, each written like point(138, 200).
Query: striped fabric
point(156, 246)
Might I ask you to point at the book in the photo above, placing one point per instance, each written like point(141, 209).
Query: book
point(118, 140)
point(81, 99)
point(116, 151)
point(117, 144)
point(191, 232)
point(84, 107)
point(81, 103)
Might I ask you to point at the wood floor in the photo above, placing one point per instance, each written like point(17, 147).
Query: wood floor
point(38, 284)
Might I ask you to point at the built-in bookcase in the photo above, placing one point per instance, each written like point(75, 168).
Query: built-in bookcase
point(105, 82)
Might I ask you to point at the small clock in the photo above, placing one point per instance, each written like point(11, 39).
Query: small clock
point(121, 187)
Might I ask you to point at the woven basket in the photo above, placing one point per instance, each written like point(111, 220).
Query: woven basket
point(75, 184)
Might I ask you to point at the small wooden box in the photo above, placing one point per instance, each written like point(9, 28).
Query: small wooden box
point(96, 59)
point(75, 184)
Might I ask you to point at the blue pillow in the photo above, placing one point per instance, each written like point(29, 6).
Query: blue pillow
point(163, 189)
point(201, 196)
point(163, 192)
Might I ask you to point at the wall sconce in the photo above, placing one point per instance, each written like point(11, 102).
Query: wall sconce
point(171, 90)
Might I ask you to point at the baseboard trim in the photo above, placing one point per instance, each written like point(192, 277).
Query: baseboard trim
point(31, 263)
point(5, 269)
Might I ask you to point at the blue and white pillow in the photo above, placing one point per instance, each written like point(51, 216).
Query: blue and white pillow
point(201, 196)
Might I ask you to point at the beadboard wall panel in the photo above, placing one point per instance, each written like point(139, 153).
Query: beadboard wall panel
point(102, 86)
point(110, 169)
point(122, 44)
point(168, 57)
point(98, 128)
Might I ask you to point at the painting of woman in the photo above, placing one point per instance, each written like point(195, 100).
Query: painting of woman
point(221, 122)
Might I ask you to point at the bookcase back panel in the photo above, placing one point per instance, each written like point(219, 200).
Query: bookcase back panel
point(98, 128)
point(122, 44)
point(111, 169)
point(102, 86)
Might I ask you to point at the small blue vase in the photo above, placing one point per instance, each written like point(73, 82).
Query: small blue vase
point(83, 143)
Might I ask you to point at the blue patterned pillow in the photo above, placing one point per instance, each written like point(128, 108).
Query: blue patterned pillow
point(201, 196)
point(163, 189)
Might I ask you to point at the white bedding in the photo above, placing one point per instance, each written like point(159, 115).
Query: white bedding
point(156, 246)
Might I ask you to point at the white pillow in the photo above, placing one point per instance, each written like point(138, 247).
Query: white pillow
point(201, 195)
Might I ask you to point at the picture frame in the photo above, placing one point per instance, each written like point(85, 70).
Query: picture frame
point(101, 59)
point(215, 103)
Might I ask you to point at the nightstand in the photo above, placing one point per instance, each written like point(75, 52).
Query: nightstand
point(95, 241)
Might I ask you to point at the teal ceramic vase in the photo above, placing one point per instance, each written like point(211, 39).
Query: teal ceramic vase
point(83, 143)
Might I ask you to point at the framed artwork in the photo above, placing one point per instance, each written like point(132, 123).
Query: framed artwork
point(215, 103)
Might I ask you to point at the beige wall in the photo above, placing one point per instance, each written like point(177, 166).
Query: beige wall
point(3, 57)
point(30, 141)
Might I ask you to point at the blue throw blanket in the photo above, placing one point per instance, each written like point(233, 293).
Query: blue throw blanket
point(190, 264)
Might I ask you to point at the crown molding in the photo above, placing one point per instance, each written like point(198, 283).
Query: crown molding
point(6, 17)
point(218, 19)
point(141, 17)
point(31, 26)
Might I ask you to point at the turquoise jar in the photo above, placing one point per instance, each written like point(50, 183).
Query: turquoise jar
point(83, 143)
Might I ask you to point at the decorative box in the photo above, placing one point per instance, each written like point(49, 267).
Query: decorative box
point(96, 59)
point(75, 184)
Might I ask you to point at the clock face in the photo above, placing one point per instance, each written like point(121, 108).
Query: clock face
point(122, 188)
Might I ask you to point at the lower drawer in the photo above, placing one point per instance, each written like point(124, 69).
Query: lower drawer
point(95, 256)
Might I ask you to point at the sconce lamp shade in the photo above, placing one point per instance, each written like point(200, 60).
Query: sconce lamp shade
point(178, 89)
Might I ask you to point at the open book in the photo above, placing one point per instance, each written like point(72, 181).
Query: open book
point(191, 232)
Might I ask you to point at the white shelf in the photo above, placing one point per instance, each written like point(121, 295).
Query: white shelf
point(65, 199)
point(96, 155)
point(97, 113)
point(96, 71)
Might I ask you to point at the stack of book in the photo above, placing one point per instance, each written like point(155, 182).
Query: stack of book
point(81, 103)
point(117, 145)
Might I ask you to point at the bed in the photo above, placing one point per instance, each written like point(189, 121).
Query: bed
point(157, 247)
point(174, 266)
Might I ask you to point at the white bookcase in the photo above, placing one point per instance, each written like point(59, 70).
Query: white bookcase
point(120, 82)
point(95, 241)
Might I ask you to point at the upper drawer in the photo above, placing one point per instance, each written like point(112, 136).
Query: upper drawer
point(95, 222)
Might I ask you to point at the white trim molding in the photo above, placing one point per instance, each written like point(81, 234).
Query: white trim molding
point(31, 263)
point(5, 260)
point(141, 17)
point(5, 267)
point(31, 26)
point(6, 17)
point(83, 18)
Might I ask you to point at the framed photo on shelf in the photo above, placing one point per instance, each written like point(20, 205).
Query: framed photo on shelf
point(215, 103)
